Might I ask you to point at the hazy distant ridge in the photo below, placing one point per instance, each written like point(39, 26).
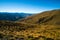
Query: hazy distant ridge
point(13, 16)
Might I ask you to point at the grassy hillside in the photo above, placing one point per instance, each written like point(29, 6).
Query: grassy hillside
point(47, 17)
point(43, 26)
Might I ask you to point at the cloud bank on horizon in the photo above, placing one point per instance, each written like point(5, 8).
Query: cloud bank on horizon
point(28, 6)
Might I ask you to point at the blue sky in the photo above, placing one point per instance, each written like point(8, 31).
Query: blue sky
point(28, 6)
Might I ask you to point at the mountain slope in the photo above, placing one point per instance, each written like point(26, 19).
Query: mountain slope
point(43, 26)
point(48, 17)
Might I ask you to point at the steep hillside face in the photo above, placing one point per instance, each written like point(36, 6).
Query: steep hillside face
point(48, 17)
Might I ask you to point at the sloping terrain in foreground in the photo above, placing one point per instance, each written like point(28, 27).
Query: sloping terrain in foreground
point(43, 26)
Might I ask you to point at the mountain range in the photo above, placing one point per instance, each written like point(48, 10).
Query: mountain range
point(13, 16)
point(42, 26)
